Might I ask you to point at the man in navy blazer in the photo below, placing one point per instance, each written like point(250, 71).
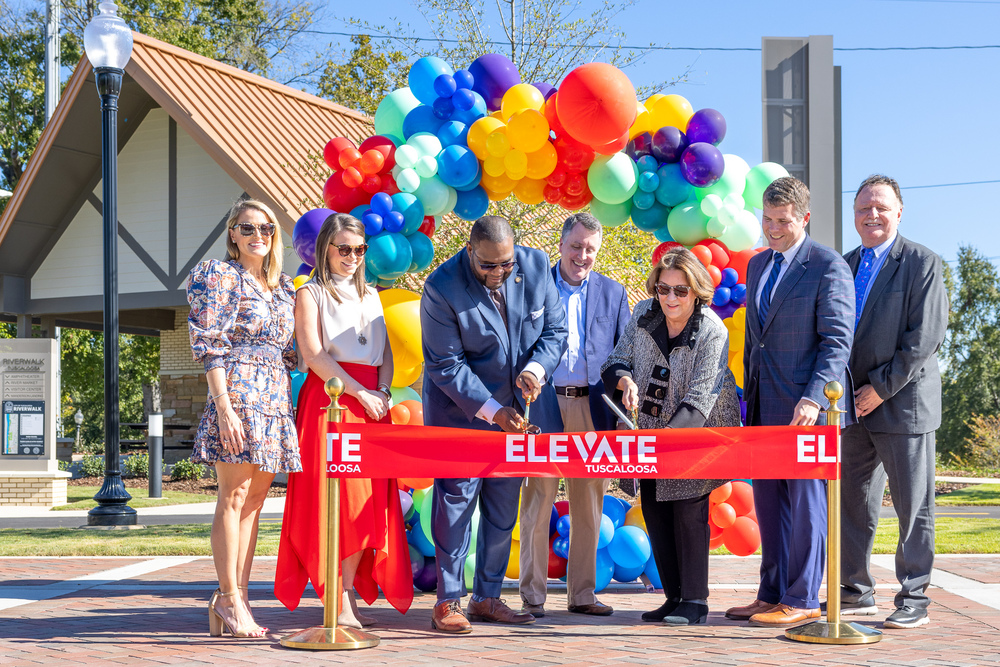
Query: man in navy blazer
point(597, 311)
point(493, 332)
point(799, 329)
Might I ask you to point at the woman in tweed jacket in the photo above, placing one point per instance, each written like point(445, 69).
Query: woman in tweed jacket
point(671, 365)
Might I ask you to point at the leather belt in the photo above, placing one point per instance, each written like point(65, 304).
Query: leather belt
point(573, 392)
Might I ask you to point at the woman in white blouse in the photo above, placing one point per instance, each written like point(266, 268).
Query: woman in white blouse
point(340, 331)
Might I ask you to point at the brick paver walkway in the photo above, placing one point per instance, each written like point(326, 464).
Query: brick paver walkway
point(159, 617)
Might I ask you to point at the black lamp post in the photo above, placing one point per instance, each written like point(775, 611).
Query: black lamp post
point(107, 40)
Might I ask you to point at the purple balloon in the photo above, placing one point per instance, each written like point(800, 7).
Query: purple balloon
point(426, 579)
point(669, 144)
point(702, 164)
point(304, 270)
point(708, 126)
point(494, 75)
point(640, 146)
point(546, 89)
point(305, 232)
point(725, 311)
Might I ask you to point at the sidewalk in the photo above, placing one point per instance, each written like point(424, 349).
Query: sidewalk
point(152, 611)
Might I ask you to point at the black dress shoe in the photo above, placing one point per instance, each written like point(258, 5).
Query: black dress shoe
point(688, 613)
point(664, 610)
point(596, 609)
point(907, 617)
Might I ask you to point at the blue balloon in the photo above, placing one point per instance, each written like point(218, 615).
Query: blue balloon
point(607, 532)
point(630, 547)
point(423, 74)
point(647, 163)
point(453, 132)
point(393, 222)
point(421, 119)
point(298, 379)
point(471, 186)
point(652, 573)
point(663, 233)
point(673, 188)
point(463, 79)
point(627, 575)
point(420, 542)
point(605, 569)
point(423, 251)
point(373, 222)
point(643, 200)
point(650, 219)
point(473, 113)
point(381, 203)
point(389, 255)
point(445, 85)
point(613, 510)
point(560, 546)
point(562, 526)
point(739, 293)
point(648, 181)
point(443, 108)
point(412, 210)
point(305, 232)
point(472, 204)
point(457, 166)
point(304, 270)
point(729, 277)
point(553, 520)
point(463, 99)
point(721, 296)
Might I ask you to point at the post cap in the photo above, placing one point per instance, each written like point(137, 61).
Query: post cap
point(833, 391)
point(334, 387)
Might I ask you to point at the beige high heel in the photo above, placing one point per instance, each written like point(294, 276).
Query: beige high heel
point(363, 619)
point(246, 601)
point(216, 620)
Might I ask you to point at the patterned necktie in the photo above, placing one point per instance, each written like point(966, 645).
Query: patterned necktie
point(501, 304)
point(765, 296)
point(861, 282)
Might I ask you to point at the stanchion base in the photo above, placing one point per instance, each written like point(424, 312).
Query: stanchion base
point(822, 632)
point(330, 639)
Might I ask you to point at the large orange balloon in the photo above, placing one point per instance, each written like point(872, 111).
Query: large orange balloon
point(741, 498)
point(596, 104)
point(416, 411)
point(416, 482)
point(721, 494)
point(723, 515)
point(743, 537)
point(400, 414)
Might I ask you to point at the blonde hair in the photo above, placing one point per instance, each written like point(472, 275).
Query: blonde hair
point(333, 225)
point(272, 263)
point(683, 260)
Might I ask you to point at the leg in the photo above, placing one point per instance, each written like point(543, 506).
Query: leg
point(586, 503)
point(497, 515)
point(537, 495)
point(660, 524)
point(451, 515)
point(692, 535)
point(909, 462)
point(770, 498)
point(862, 483)
point(807, 544)
point(235, 481)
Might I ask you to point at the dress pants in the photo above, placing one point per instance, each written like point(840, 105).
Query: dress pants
point(679, 535)
point(908, 462)
point(451, 516)
point(586, 503)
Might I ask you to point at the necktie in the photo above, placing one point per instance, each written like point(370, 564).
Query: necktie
point(861, 282)
point(765, 296)
point(501, 304)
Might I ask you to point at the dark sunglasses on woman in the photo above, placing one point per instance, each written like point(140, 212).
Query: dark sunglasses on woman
point(358, 250)
point(247, 229)
point(664, 289)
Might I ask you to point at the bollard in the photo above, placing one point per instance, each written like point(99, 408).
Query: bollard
point(154, 445)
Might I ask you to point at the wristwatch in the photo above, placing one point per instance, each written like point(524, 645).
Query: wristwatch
point(384, 388)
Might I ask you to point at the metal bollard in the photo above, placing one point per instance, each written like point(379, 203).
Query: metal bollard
point(154, 444)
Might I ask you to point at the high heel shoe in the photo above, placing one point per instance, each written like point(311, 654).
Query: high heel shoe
point(216, 619)
point(246, 601)
point(363, 619)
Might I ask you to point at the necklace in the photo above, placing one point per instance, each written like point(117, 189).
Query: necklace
point(362, 339)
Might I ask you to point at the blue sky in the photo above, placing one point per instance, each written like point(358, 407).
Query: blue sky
point(923, 117)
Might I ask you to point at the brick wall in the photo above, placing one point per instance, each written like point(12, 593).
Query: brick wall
point(175, 348)
point(34, 491)
point(183, 387)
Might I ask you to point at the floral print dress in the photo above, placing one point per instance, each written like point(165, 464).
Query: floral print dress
point(235, 326)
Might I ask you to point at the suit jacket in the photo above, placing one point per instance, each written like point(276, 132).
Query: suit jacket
point(470, 356)
point(901, 328)
point(806, 340)
point(604, 323)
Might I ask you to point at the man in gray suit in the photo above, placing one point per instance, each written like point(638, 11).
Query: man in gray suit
point(902, 314)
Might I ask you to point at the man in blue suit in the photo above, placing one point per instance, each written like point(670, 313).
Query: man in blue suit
point(493, 332)
point(597, 311)
point(799, 329)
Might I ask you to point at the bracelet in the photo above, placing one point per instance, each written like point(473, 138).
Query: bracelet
point(217, 395)
point(384, 388)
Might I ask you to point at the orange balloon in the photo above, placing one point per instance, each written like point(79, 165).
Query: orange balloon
point(723, 515)
point(721, 494)
point(530, 190)
point(497, 183)
point(400, 414)
point(703, 254)
point(714, 532)
point(715, 542)
point(542, 162)
point(596, 104)
point(416, 411)
point(743, 537)
point(741, 498)
point(614, 146)
point(739, 261)
point(416, 482)
point(715, 274)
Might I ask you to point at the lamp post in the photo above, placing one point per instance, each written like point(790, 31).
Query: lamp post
point(78, 418)
point(107, 40)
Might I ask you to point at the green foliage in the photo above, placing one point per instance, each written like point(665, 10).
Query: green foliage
point(92, 465)
point(365, 77)
point(64, 465)
point(188, 469)
point(8, 330)
point(136, 465)
point(983, 443)
point(971, 352)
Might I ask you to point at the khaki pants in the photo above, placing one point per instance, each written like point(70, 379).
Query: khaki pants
point(586, 500)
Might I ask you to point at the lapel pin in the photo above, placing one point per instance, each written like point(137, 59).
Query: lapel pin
point(517, 279)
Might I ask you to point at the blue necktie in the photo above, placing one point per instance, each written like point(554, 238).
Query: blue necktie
point(765, 296)
point(861, 282)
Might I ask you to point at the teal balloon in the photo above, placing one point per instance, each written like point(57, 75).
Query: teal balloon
point(663, 234)
point(687, 224)
point(643, 200)
point(434, 195)
point(734, 179)
point(605, 569)
point(611, 215)
point(386, 283)
point(649, 181)
point(673, 188)
point(650, 219)
point(758, 179)
point(400, 394)
point(474, 530)
point(389, 255)
point(412, 210)
point(613, 179)
point(423, 251)
point(418, 538)
point(392, 110)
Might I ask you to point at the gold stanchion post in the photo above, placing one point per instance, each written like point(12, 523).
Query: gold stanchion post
point(833, 630)
point(330, 636)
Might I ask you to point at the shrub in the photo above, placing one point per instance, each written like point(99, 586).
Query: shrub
point(136, 465)
point(983, 444)
point(188, 469)
point(92, 466)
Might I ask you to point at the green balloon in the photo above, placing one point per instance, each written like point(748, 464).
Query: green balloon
point(733, 179)
point(758, 179)
point(613, 179)
point(611, 215)
point(743, 234)
point(400, 394)
point(426, 503)
point(392, 110)
point(470, 569)
point(686, 223)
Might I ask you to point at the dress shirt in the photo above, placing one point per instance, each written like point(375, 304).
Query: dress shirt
point(789, 255)
point(881, 252)
point(572, 369)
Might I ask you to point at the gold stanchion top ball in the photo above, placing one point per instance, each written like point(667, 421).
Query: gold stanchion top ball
point(335, 387)
point(833, 391)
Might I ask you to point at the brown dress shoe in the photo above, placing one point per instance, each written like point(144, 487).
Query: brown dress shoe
point(536, 610)
point(744, 613)
point(449, 617)
point(783, 616)
point(595, 609)
point(494, 610)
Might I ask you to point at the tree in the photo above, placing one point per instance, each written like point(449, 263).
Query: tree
point(971, 352)
point(365, 77)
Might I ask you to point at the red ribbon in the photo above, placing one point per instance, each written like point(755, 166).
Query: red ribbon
point(760, 452)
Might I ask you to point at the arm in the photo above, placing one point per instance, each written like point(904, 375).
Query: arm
point(623, 317)
point(289, 355)
point(709, 359)
point(551, 343)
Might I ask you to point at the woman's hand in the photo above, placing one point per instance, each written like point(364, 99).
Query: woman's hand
point(630, 393)
point(375, 403)
point(231, 430)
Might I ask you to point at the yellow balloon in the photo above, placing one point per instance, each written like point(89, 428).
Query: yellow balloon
point(390, 297)
point(740, 317)
point(652, 99)
point(499, 183)
point(671, 110)
point(542, 162)
point(299, 281)
point(514, 562)
point(530, 190)
point(494, 166)
point(643, 122)
point(515, 162)
point(402, 321)
point(520, 97)
point(403, 376)
point(497, 144)
point(528, 130)
point(478, 132)
point(516, 533)
point(736, 366)
point(634, 518)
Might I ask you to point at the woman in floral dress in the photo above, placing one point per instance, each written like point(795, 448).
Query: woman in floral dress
point(242, 327)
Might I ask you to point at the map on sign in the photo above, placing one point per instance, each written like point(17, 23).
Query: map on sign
point(23, 428)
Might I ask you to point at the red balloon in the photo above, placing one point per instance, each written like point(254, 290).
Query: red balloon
point(349, 157)
point(576, 202)
point(332, 150)
point(384, 146)
point(352, 177)
point(723, 515)
point(558, 177)
point(389, 184)
point(338, 197)
point(714, 532)
point(557, 566)
point(703, 254)
point(562, 507)
point(596, 104)
point(371, 183)
point(715, 274)
point(662, 249)
point(743, 537)
point(551, 114)
point(573, 155)
point(575, 185)
point(427, 226)
point(715, 542)
point(720, 253)
point(552, 194)
point(741, 498)
point(615, 146)
point(739, 261)
point(416, 411)
point(371, 162)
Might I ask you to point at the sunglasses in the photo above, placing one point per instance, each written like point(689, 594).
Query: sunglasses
point(358, 250)
point(247, 229)
point(486, 268)
point(681, 291)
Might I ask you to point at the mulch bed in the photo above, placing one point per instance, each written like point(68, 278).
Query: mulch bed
point(207, 486)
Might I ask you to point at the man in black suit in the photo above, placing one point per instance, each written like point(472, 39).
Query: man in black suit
point(902, 315)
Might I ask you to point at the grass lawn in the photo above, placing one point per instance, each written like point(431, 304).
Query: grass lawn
point(977, 494)
point(82, 498)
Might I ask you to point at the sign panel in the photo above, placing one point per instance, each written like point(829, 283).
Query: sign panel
point(23, 427)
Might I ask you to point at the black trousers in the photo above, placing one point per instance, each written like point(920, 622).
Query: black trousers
point(679, 535)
